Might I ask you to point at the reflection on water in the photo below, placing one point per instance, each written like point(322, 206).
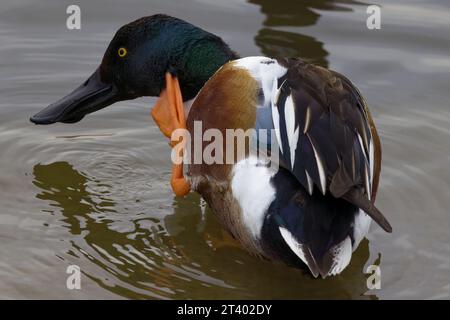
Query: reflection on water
point(276, 43)
point(136, 252)
point(186, 255)
point(294, 13)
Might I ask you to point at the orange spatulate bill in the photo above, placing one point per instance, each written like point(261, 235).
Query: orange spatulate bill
point(168, 114)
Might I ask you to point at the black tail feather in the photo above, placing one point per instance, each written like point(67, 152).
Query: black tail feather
point(356, 197)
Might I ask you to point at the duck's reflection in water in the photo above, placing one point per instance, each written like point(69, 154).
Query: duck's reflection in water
point(275, 42)
point(185, 255)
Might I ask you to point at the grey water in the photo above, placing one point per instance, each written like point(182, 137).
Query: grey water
point(96, 193)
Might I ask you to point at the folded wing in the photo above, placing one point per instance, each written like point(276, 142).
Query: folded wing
point(326, 135)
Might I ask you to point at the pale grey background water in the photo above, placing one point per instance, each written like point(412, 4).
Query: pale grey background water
point(96, 193)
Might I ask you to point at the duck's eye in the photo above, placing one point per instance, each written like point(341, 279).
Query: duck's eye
point(122, 52)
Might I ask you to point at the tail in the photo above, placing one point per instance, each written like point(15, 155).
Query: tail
point(356, 197)
point(313, 230)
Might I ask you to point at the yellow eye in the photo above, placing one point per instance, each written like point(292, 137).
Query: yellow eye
point(122, 52)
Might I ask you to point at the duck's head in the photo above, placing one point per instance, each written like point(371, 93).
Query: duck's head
point(135, 64)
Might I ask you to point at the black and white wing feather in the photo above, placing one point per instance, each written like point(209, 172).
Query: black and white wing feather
point(326, 136)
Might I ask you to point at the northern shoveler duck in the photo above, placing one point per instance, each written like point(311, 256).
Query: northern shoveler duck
point(316, 206)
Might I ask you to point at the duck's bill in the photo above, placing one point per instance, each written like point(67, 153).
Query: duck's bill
point(92, 95)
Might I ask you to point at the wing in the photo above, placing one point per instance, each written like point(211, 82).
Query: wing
point(326, 135)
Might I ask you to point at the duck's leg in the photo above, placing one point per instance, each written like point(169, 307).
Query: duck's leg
point(168, 114)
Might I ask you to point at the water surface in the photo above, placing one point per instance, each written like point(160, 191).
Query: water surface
point(96, 194)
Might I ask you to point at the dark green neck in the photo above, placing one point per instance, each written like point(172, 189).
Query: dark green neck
point(192, 53)
point(199, 63)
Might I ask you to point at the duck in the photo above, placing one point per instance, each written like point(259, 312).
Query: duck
point(311, 206)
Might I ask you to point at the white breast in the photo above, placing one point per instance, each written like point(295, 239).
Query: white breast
point(253, 191)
